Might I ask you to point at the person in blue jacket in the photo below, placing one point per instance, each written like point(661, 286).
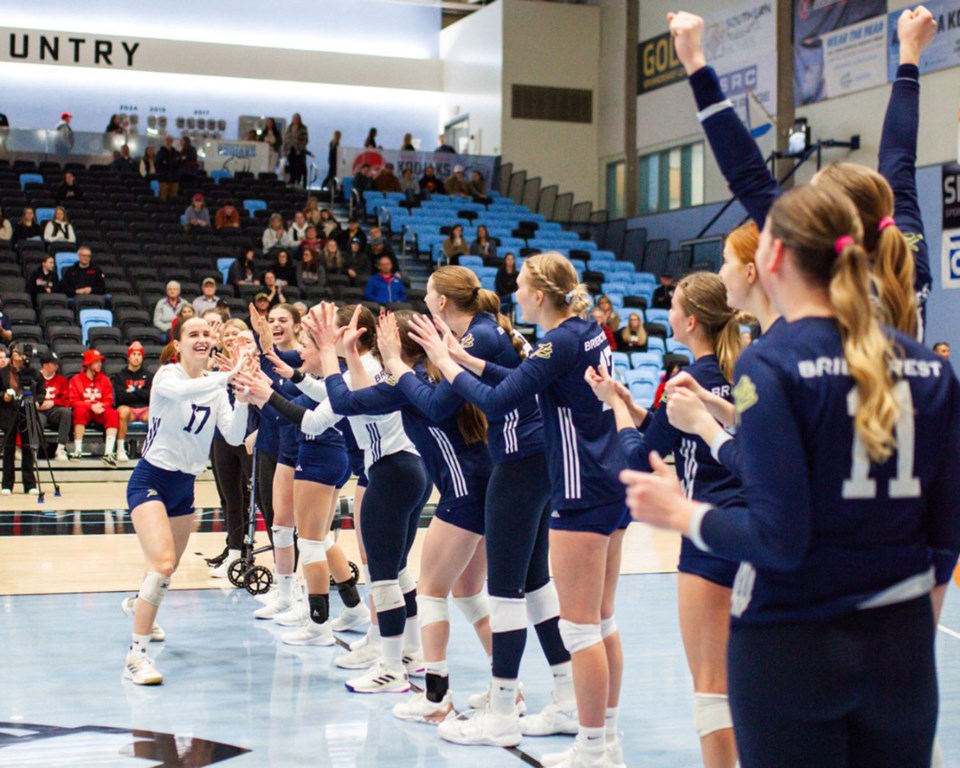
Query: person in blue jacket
point(850, 454)
point(385, 286)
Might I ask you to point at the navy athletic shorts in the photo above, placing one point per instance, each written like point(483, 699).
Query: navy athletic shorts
point(320, 463)
point(706, 565)
point(468, 515)
point(173, 488)
point(604, 519)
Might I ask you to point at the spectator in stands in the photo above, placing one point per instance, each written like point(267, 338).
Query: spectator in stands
point(943, 349)
point(275, 235)
point(378, 247)
point(68, 190)
point(295, 141)
point(123, 163)
point(332, 148)
point(189, 164)
point(429, 182)
point(387, 180)
point(311, 240)
point(311, 211)
point(599, 317)
point(455, 246)
point(284, 270)
point(59, 229)
point(356, 262)
point(456, 185)
point(183, 314)
point(477, 188)
point(6, 332)
point(168, 307)
point(43, 279)
point(298, 229)
point(64, 139)
point(83, 278)
point(506, 282)
point(407, 145)
point(633, 336)
point(310, 271)
point(610, 317)
point(168, 170)
point(13, 422)
point(4, 357)
point(409, 185)
point(208, 298)
point(261, 303)
point(385, 286)
point(352, 232)
point(333, 261)
point(362, 181)
point(131, 390)
point(270, 135)
point(371, 141)
point(148, 163)
point(227, 217)
point(272, 290)
point(243, 270)
point(329, 226)
point(91, 397)
point(443, 146)
point(114, 126)
point(197, 213)
point(6, 229)
point(28, 228)
point(668, 374)
point(663, 295)
point(483, 245)
point(53, 406)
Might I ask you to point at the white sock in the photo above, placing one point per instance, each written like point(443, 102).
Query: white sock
point(110, 444)
point(285, 582)
point(122, 449)
point(563, 681)
point(373, 634)
point(411, 636)
point(78, 446)
point(503, 695)
point(591, 742)
point(392, 652)
point(440, 668)
point(139, 643)
point(610, 724)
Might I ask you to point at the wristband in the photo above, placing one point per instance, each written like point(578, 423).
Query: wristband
point(297, 376)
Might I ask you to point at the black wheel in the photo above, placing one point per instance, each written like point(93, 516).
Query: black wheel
point(236, 572)
point(258, 580)
point(355, 571)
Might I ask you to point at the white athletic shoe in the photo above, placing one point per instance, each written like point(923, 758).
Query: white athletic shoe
point(419, 709)
point(573, 758)
point(61, 454)
point(139, 669)
point(414, 663)
point(34, 491)
point(295, 615)
point(482, 700)
point(364, 656)
point(128, 605)
point(482, 728)
point(6, 492)
point(272, 609)
point(379, 679)
point(557, 718)
point(310, 633)
point(221, 571)
point(352, 619)
point(356, 645)
point(265, 598)
point(122, 456)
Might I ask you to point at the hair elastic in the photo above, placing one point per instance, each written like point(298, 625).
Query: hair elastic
point(568, 297)
point(886, 221)
point(842, 242)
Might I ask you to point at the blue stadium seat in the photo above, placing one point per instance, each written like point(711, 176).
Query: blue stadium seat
point(29, 178)
point(155, 187)
point(654, 357)
point(94, 318)
point(223, 265)
point(643, 393)
point(658, 316)
point(44, 214)
point(621, 358)
point(656, 343)
point(676, 348)
point(220, 175)
point(471, 261)
point(254, 205)
point(65, 259)
point(488, 282)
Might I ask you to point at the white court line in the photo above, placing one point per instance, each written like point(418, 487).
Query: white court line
point(948, 631)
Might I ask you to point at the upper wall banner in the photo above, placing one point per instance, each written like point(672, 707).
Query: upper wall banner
point(943, 52)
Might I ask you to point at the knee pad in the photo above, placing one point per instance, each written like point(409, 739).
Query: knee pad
point(608, 627)
point(507, 614)
point(312, 551)
point(282, 536)
point(387, 595)
point(475, 607)
point(154, 587)
point(432, 610)
point(407, 582)
point(579, 637)
point(329, 542)
point(711, 713)
point(543, 604)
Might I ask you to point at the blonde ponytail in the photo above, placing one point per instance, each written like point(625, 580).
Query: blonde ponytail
point(703, 296)
point(553, 274)
point(489, 302)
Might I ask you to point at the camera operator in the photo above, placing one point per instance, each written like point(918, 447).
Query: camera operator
point(14, 379)
point(54, 407)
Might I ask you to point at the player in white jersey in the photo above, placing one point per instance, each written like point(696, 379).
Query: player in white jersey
point(186, 406)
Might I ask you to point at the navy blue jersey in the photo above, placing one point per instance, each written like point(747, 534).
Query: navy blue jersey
point(702, 477)
point(269, 428)
point(512, 435)
point(583, 454)
point(824, 531)
point(459, 471)
point(333, 437)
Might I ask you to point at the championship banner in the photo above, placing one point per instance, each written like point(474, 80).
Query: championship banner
point(657, 64)
point(349, 160)
point(943, 52)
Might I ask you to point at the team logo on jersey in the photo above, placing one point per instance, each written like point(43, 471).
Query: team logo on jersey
point(913, 239)
point(745, 394)
point(389, 378)
point(151, 493)
point(544, 351)
point(467, 341)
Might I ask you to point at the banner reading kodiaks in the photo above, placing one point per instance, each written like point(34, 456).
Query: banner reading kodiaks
point(349, 160)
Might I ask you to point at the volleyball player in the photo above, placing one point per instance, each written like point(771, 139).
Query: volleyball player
point(701, 320)
point(160, 490)
point(850, 451)
point(588, 520)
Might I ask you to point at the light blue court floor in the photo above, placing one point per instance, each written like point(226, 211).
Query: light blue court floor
point(231, 686)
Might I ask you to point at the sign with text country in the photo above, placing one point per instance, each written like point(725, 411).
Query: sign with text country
point(657, 64)
point(943, 52)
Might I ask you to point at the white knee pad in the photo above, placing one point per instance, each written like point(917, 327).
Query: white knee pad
point(579, 637)
point(543, 604)
point(407, 582)
point(607, 627)
point(282, 536)
point(386, 595)
point(154, 588)
point(329, 542)
point(312, 551)
point(507, 614)
point(711, 713)
point(432, 610)
point(475, 607)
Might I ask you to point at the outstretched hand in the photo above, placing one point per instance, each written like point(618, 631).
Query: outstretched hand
point(426, 335)
point(388, 338)
point(602, 384)
point(656, 497)
point(351, 335)
point(687, 32)
point(281, 368)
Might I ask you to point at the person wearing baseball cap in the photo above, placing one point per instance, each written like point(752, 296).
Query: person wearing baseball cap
point(261, 303)
point(131, 389)
point(54, 407)
point(208, 298)
point(456, 185)
point(91, 397)
point(197, 214)
point(64, 138)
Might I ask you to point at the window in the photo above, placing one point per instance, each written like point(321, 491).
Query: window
point(671, 179)
point(616, 181)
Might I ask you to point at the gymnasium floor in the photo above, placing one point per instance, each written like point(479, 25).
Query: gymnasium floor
point(235, 696)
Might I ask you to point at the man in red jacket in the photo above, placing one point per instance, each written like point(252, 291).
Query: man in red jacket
point(53, 405)
point(91, 397)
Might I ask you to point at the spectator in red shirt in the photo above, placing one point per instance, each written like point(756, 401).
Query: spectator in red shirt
point(131, 390)
point(91, 397)
point(54, 406)
point(598, 315)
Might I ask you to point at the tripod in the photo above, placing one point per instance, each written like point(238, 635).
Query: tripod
point(34, 439)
